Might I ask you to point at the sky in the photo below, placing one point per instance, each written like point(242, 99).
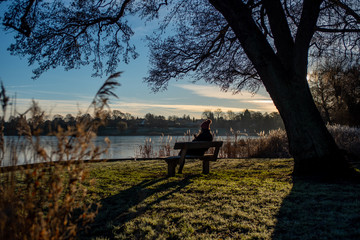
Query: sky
point(62, 92)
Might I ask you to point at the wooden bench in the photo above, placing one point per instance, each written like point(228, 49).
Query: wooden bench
point(185, 146)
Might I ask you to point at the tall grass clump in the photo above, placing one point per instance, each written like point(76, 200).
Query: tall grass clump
point(272, 145)
point(166, 146)
point(234, 146)
point(147, 150)
point(49, 200)
point(162, 147)
point(238, 145)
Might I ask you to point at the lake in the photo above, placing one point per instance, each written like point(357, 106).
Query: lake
point(121, 147)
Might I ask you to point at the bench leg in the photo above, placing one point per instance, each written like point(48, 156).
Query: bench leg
point(182, 160)
point(206, 166)
point(171, 168)
point(181, 166)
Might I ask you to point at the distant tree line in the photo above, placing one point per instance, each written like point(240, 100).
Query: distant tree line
point(246, 121)
point(119, 123)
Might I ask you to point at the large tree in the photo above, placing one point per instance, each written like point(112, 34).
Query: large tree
point(235, 44)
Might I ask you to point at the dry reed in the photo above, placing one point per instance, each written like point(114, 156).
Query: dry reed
point(49, 201)
point(271, 145)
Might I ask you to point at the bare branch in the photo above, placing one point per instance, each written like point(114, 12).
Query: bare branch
point(334, 30)
point(347, 9)
point(24, 27)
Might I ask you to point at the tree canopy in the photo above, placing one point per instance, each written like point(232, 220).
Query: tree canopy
point(77, 33)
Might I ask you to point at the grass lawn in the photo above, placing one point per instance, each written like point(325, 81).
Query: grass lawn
point(239, 199)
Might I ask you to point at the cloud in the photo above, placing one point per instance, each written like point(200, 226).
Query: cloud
point(53, 107)
point(18, 86)
point(44, 94)
point(141, 108)
point(173, 107)
point(215, 92)
point(257, 101)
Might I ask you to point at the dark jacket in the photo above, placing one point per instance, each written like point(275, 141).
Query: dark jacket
point(204, 135)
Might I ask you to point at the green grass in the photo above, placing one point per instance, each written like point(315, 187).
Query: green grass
point(239, 199)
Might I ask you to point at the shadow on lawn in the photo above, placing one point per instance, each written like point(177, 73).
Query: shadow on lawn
point(116, 209)
point(320, 210)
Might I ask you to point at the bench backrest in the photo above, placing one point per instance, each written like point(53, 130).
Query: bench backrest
point(199, 144)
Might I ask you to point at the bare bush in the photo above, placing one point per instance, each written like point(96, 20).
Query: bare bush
point(347, 138)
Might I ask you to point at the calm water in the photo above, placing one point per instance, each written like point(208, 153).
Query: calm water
point(121, 147)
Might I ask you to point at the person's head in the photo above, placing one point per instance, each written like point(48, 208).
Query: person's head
point(206, 124)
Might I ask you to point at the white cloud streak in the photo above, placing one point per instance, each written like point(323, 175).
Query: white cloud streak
point(215, 92)
point(256, 102)
point(52, 107)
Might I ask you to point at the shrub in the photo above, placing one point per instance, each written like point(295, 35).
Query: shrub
point(347, 138)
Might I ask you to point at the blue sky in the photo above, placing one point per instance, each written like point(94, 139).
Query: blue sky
point(61, 92)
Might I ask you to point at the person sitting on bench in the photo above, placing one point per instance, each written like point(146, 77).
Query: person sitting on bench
point(204, 135)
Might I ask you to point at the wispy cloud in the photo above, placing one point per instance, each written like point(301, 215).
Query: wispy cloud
point(175, 108)
point(53, 107)
point(18, 86)
point(257, 101)
point(43, 94)
point(215, 92)
point(141, 108)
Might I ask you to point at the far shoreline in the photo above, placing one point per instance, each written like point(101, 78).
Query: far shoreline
point(107, 131)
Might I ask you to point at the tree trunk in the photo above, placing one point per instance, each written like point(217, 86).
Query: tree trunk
point(284, 76)
point(313, 148)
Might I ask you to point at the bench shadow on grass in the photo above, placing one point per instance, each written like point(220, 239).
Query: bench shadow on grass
point(116, 210)
point(320, 210)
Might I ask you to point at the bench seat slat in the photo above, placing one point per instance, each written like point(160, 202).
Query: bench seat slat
point(195, 145)
point(209, 157)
